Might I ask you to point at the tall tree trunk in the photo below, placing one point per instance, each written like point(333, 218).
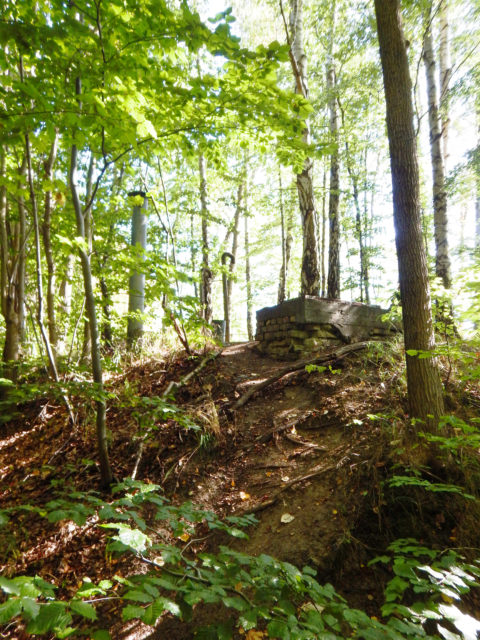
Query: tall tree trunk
point(136, 286)
point(248, 278)
point(87, 218)
point(47, 245)
point(65, 299)
point(477, 185)
point(282, 281)
point(442, 258)
point(228, 277)
point(323, 234)
point(423, 378)
point(21, 259)
point(310, 278)
point(366, 229)
point(359, 231)
point(10, 246)
point(207, 275)
point(106, 474)
point(445, 75)
point(333, 279)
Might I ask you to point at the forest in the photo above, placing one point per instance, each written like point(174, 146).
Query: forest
point(240, 319)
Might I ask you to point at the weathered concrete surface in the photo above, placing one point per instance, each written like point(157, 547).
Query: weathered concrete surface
point(308, 324)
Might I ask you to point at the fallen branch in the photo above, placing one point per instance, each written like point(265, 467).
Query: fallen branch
point(171, 386)
point(268, 503)
point(297, 366)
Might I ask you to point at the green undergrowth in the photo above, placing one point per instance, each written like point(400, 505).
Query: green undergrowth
point(426, 586)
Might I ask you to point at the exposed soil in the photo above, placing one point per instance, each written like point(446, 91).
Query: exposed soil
point(307, 445)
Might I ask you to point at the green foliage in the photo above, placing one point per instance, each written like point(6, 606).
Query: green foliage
point(261, 592)
point(426, 583)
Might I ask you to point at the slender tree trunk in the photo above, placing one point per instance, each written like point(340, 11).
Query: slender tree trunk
point(87, 217)
point(442, 258)
point(193, 252)
point(323, 234)
point(228, 277)
point(477, 185)
point(47, 245)
point(100, 402)
point(65, 302)
point(367, 233)
point(310, 278)
point(445, 75)
point(333, 279)
point(248, 278)
point(136, 287)
point(21, 259)
point(282, 281)
point(423, 378)
point(207, 275)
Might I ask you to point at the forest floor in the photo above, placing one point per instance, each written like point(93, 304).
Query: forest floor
point(306, 454)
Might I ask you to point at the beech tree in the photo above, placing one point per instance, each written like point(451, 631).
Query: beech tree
point(423, 378)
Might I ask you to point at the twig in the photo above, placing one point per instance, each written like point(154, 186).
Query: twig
point(323, 358)
point(316, 471)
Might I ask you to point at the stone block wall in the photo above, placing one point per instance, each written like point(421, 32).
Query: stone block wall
point(305, 325)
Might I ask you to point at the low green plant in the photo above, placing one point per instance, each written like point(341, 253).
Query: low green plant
point(261, 592)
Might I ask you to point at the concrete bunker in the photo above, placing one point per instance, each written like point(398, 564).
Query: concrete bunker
point(309, 324)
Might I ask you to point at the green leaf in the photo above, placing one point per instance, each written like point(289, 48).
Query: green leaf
point(52, 617)
point(10, 609)
point(83, 609)
point(130, 612)
point(101, 634)
point(278, 629)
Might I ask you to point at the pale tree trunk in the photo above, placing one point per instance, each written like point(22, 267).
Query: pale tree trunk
point(423, 378)
point(232, 256)
point(248, 278)
point(359, 231)
point(193, 252)
point(323, 234)
point(65, 302)
point(367, 231)
point(442, 258)
point(87, 220)
point(136, 287)
point(310, 278)
point(207, 275)
point(333, 278)
point(477, 181)
point(282, 281)
point(47, 245)
point(106, 474)
point(445, 70)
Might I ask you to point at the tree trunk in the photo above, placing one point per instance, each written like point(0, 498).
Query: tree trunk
point(310, 278)
point(324, 229)
point(445, 75)
point(423, 378)
point(21, 260)
point(333, 279)
point(442, 259)
point(282, 280)
point(47, 245)
point(136, 286)
point(106, 474)
point(248, 279)
point(228, 277)
point(207, 275)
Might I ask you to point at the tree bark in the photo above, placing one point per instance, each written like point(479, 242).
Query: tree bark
point(442, 258)
point(106, 474)
point(47, 245)
point(310, 278)
point(228, 277)
point(248, 279)
point(333, 278)
point(207, 275)
point(423, 378)
point(282, 280)
point(136, 286)
point(445, 75)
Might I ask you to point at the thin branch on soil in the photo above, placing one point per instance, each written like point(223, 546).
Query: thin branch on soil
point(316, 471)
point(297, 366)
point(172, 385)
